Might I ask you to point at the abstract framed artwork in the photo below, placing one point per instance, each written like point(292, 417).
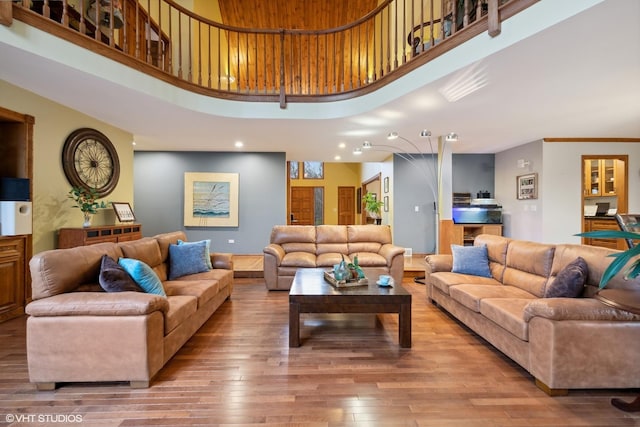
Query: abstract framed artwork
point(527, 186)
point(313, 170)
point(210, 199)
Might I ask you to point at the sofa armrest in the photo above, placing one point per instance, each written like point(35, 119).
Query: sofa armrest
point(98, 304)
point(438, 262)
point(575, 309)
point(389, 252)
point(222, 260)
point(276, 251)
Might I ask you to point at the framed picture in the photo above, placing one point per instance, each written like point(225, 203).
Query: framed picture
point(123, 211)
point(210, 199)
point(313, 170)
point(359, 200)
point(294, 170)
point(385, 184)
point(527, 186)
point(386, 203)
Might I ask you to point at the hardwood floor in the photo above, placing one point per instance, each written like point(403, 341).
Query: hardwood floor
point(239, 370)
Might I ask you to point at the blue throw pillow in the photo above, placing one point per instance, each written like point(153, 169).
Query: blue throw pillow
point(114, 278)
point(187, 259)
point(471, 260)
point(207, 244)
point(143, 275)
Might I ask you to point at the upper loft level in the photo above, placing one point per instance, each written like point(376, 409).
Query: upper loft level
point(277, 52)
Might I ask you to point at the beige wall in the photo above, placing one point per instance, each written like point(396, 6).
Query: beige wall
point(53, 123)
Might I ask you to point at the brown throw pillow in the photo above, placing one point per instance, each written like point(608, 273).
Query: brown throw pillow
point(569, 283)
point(114, 278)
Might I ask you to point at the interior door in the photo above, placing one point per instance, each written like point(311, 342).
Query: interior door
point(302, 205)
point(346, 205)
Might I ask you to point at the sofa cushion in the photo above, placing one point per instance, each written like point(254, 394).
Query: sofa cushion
point(330, 259)
point(143, 275)
point(98, 304)
point(331, 239)
point(222, 276)
point(368, 259)
point(181, 307)
point(508, 313)
point(472, 260)
point(471, 295)
point(569, 283)
point(114, 278)
point(187, 259)
point(299, 259)
point(444, 279)
point(203, 290)
point(146, 250)
point(528, 265)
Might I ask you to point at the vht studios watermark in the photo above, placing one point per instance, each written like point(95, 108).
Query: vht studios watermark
point(43, 418)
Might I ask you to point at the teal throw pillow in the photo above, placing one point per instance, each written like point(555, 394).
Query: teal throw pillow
point(207, 253)
point(143, 275)
point(186, 259)
point(471, 260)
point(114, 278)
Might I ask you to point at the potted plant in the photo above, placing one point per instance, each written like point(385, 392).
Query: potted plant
point(372, 205)
point(85, 200)
point(620, 258)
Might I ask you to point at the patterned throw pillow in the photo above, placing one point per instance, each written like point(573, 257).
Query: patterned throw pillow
point(143, 275)
point(471, 260)
point(187, 259)
point(114, 278)
point(569, 283)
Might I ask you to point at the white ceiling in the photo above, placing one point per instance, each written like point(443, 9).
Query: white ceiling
point(580, 77)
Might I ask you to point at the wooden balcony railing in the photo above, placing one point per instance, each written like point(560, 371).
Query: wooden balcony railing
point(167, 41)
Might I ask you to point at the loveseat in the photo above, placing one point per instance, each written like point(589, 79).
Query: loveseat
point(564, 342)
point(307, 246)
point(77, 332)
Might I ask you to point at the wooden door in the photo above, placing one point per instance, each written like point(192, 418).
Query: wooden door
point(346, 205)
point(302, 205)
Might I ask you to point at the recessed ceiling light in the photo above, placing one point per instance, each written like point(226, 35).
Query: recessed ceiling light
point(239, 144)
point(337, 158)
point(342, 145)
point(357, 151)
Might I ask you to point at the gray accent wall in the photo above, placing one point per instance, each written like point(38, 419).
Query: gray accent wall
point(159, 195)
point(412, 188)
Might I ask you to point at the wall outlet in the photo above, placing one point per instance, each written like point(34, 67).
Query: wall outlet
point(231, 241)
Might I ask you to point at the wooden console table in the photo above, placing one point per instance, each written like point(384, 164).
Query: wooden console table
point(628, 300)
point(72, 237)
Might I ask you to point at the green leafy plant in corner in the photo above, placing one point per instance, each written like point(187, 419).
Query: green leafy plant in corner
point(85, 199)
point(372, 204)
point(620, 258)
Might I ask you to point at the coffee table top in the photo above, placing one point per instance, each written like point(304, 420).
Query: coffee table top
point(310, 281)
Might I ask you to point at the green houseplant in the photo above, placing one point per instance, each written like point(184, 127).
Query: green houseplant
point(86, 200)
point(620, 258)
point(372, 205)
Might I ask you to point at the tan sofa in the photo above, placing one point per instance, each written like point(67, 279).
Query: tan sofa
point(76, 332)
point(307, 246)
point(565, 343)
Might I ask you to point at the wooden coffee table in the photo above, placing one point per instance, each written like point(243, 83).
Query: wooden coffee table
point(311, 293)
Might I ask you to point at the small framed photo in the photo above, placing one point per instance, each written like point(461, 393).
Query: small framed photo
point(527, 186)
point(123, 211)
point(386, 203)
point(386, 184)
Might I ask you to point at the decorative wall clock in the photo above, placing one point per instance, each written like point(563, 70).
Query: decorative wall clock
point(90, 160)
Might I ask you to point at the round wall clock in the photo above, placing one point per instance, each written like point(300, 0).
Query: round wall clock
point(90, 160)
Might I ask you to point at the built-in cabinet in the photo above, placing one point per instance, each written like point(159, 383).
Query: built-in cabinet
point(603, 224)
point(465, 234)
point(601, 177)
point(16, 161)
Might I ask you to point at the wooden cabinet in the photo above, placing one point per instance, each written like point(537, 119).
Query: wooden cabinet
point(465, 234)
point(598, 224)
point(601, 177)
point(16, 161)
point(72, 237)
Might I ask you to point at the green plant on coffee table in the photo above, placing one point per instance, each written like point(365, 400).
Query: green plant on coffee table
point(85, 199)
point(620, 258)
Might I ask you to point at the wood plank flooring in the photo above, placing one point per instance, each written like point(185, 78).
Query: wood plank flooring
point(238, 370)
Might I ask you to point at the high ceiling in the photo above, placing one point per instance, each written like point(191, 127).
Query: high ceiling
point(577, 77)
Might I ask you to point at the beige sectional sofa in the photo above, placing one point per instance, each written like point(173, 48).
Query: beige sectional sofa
point(564, 343)
point(306, 246)
point(76, 332)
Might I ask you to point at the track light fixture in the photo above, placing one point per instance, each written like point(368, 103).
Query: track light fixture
point(451, 137)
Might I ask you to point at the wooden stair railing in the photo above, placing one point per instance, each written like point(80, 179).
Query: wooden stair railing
point(169, 42)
